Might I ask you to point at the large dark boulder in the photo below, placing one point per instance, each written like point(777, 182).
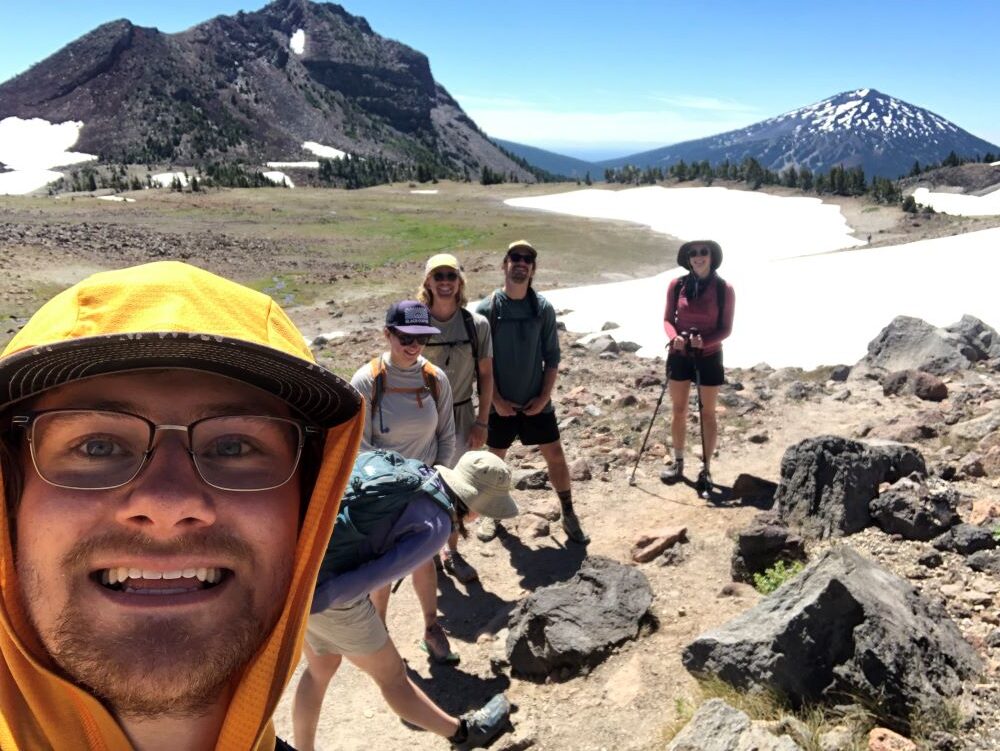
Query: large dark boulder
point(844, 628)
point(761, 545)
point(827, 482)
point(916, 510)
point(565, 628)
point(913, 344)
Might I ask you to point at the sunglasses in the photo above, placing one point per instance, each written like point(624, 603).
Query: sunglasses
point(520, 258)
point(445, 276)
point(698, 252)
point(407, 339)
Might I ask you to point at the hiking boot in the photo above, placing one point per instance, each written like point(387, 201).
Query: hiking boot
point(456, 565)
point(486, 723)
point(435, 644)
point(673, 473)
point(571, 526)
point(487, 529)
point(704, 483)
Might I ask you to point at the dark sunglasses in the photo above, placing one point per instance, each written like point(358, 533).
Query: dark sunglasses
point(445, 276)
point(407, 339)
point(696, 252)
point(520, 258)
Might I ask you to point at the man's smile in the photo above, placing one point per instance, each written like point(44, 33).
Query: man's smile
point(151, 581)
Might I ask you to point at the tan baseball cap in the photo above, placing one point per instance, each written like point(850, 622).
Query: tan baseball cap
point(442, 260)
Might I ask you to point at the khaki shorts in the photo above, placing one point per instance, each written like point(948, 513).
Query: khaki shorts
point(351, 629)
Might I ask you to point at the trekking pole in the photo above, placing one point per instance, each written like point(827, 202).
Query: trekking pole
point(701, 416)
point(631, 480)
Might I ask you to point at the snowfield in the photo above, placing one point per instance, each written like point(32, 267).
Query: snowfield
point(798, 303)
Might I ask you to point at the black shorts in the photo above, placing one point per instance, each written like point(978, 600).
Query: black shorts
point(531, 429)
point(681, 368)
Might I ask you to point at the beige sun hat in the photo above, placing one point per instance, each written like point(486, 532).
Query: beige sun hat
point(482, 481)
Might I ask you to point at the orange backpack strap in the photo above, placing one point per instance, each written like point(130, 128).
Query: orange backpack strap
point(430, 372)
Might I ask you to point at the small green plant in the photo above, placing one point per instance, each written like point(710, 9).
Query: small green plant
point(996, 533)
point(775, 576)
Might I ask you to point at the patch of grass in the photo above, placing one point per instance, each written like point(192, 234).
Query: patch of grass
point(996, 533)
point(286, 289)
point(946, 716)
point(771, 707)
point(775, 576)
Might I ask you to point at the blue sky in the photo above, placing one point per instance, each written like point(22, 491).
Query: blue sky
point(599, 79)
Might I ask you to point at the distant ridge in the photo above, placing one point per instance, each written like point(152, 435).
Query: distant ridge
point(254, 86)
point(864, 127)
point(550, 161)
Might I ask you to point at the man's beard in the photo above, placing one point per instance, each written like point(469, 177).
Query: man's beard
point(155, 666)
point(155, 669)
point(520, 275)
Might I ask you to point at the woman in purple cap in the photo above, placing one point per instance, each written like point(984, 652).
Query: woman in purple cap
point(408, 408)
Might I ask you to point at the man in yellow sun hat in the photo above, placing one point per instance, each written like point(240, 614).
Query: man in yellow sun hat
point(172, 460)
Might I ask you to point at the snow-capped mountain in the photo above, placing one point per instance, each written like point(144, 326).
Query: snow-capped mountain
point(865, 127)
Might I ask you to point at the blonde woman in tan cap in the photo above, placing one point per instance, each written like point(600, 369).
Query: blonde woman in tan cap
point(464, 350)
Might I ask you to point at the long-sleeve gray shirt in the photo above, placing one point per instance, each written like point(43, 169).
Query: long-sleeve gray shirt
point(419, 429)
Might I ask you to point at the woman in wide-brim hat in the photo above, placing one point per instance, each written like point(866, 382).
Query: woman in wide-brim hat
point(697, 318)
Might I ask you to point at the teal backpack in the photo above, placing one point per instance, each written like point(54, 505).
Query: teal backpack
point(381, 486)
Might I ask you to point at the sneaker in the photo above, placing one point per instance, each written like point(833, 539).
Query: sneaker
point(704, 483)
point(486, 723)
point(435, 644)
point(673, 473)
point(571, 526)
point(487, 529)
point(456, 565)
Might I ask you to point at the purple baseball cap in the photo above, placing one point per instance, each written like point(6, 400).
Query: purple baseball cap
point(410, 317)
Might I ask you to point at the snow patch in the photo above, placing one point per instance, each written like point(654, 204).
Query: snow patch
point(166, 179)
point(293, 165)
point(278, 178)
point(424, 192)
point(298, 42)
point(324, 151)
point(31, 148)
point(119, 199)
point(22, 182)
point(958, 204)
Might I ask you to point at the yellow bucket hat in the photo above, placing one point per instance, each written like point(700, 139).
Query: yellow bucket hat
point(171, 315)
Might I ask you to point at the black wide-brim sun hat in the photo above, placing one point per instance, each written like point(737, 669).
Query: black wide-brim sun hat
point(682, 253)
point(172, 315)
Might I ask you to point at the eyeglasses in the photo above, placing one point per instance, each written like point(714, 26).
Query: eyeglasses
point(520, 258)
point(407, 339)
point(445, 276)
point(89, 449)
point(698, 252)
